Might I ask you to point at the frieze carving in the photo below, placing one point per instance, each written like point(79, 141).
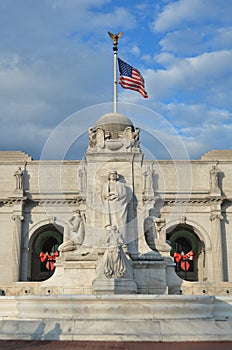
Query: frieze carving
point(41, 202)
point(60, 202)
point(13, 201)
point(205, 201)
point(127, 141)
point(171, 202)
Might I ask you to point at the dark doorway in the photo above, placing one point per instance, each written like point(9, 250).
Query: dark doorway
point(186, 248)
point(43, 251)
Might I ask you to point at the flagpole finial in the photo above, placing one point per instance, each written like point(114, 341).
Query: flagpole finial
point(115, 38)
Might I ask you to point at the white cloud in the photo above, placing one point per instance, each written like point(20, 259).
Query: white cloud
point(188, 42)
point(207, 138)
point(56, 58)
point(198, 114)
point(173, 14)
point(222, 38)
point(197, 75)
point(78, 4)
point(135, 50)
point(179, 13)
point(119, 18)
point(167, 59)
point(200, 127)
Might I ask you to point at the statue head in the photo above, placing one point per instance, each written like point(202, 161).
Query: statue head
point(113, 175)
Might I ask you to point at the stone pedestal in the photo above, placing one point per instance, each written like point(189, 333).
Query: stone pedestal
point(79, 274)
point(109, 286)
point(150, 276)
point(74, 276)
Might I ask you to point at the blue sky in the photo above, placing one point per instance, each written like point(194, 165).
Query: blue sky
point(56, 60)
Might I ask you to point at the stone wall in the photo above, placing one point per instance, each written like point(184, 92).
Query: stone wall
point(181, 193)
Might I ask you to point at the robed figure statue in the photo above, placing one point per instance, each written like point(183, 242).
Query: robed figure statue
point(114, 196)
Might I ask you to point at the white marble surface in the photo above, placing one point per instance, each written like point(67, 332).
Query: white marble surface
point(127, 317)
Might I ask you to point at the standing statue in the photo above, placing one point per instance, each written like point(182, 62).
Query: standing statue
point(114, 262)
point(214, 178)
point(19, 178)
point(82, 178)
point(75, 231)
point(148, 180)
point(114, 195)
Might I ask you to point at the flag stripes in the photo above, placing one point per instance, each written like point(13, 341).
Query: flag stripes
point(130, 78)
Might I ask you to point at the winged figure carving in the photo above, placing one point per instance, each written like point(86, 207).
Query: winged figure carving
point(100, 137)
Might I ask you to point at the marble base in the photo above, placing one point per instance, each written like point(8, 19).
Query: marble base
point(118, 317)
point(147, 277)
point(114, 286)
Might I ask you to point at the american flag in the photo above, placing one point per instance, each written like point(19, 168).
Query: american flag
point(130, 78)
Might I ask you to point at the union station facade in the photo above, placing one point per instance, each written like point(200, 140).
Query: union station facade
point(181, 209)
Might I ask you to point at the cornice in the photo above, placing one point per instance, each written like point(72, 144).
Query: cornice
point(38, 201)
point(184, 199)
point(13, 201)
point(59, 202)
point(193, 201)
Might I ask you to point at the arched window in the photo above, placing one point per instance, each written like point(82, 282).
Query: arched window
point(186, 248)
point(43, 250)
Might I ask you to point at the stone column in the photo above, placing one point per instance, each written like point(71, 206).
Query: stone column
point(16, 246)
point(216, 218)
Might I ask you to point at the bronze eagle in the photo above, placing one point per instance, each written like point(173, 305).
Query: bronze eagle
point(115, 37)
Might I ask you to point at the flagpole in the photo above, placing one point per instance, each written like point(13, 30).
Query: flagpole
point(115, 38)
point(115, 48)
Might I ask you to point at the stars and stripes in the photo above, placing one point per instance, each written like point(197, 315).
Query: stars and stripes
point(130, 78)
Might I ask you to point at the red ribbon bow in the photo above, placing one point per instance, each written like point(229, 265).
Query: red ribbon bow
point(51, 259)
point(184, 264)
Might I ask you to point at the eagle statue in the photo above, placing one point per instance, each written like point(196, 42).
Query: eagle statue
point(115, 37)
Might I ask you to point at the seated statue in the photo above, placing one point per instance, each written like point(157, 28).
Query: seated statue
point(75, 231)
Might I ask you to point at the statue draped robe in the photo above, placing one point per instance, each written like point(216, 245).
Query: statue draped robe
point(114, 196)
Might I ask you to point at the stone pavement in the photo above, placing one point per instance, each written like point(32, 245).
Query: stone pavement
point(101, 345)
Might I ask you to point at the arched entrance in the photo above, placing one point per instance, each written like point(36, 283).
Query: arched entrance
point(186, 248)
point(43, 246)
